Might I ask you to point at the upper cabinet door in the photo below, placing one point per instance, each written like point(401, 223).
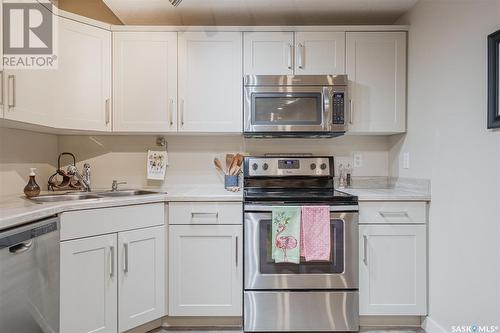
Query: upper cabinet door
point(376, 67)
point(392, 270)
point(145, 81)
point(89, 285)
point(84, 77)
point(141, 275)
point(268, 53)
point(210, 82)
point(319, 53)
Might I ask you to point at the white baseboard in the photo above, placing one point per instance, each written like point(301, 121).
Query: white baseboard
point(432, 326)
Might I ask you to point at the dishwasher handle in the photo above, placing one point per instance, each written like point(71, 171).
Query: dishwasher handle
point(19, 240)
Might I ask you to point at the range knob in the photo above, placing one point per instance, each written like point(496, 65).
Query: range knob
point(323, 166)
point(265, 166)
point(255, 166)
point(313, 166)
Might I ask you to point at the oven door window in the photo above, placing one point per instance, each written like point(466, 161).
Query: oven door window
point(287, 109)
point(334, 266)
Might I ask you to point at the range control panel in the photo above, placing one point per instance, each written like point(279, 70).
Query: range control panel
point(292, 166)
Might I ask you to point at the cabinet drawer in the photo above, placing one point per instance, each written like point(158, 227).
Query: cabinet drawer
point(91, 222)
point(393, 212)
point(205, 213)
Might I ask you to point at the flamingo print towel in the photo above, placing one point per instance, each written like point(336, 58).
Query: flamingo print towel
point(315, 233)
point(286, 234)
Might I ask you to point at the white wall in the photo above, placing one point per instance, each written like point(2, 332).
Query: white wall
point(191, 157)
point(20, 151)
point(448, 142)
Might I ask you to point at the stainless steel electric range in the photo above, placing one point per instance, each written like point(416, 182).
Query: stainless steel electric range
point(310, 296)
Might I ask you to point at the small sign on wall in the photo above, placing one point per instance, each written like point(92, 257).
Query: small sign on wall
point(493, 76)
point(157, 164)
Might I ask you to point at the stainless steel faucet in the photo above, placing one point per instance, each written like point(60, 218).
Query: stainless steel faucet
point(85, 179)
point(114, 186)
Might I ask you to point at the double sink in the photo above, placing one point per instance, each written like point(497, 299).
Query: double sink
point(90, 195)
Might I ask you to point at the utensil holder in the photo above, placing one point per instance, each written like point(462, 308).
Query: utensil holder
point(231, 181)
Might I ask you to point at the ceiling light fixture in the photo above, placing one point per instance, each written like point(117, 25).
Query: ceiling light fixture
point(175, 3)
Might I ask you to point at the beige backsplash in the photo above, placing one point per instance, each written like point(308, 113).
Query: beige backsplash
point(190, 157)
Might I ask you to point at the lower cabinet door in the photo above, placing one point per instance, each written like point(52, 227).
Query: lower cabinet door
point(393, 270)
point(205, 270)
point(141, 287)
point(89, 285)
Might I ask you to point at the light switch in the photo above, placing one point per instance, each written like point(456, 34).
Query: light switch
point(406, 160)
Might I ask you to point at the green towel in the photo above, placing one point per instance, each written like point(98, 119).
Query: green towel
point(286, 234)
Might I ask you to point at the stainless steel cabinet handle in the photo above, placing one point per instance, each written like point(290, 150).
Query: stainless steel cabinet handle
point(111, 261)
point(397, 213)
point(1, 88)
point(290, 55)
point(125, 256)
point(171, 112)
point(215, 214)
point(182, 112)
point(236, 251)
point(365, 249)
point(107, 105)
point(11, 93)
point(301, 55)
point(350, 112)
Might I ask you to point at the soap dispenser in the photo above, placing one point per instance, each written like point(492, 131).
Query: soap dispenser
point(32, 189)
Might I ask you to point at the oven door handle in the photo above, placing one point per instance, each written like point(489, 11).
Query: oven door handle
point(267, 208)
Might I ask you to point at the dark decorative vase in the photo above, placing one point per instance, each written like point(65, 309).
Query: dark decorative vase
point(32, 189)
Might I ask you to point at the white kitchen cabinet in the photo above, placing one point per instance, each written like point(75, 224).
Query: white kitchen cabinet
point(145, 81)
point(376, 68)
point(205, 270)
point(393, 270)
point(89, 285)
point(112, 268)
point(141, 286)
point(319, 53)
point(210, 82)
point(268, 53)
point(82, 98)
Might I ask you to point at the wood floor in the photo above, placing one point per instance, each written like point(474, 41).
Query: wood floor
point(370, 330)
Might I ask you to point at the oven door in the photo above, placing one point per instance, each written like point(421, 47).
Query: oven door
point(278, 109)
point(262, 273)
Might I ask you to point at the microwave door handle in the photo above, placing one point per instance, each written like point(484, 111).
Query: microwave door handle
point(327, 113)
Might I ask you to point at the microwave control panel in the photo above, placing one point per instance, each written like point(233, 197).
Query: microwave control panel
point(338, 108)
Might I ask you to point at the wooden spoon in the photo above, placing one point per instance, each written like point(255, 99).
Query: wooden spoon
point(218, 165)
point(236, 167)
point(229, 160)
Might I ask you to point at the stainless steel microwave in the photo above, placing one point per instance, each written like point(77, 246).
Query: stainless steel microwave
point(295, 106)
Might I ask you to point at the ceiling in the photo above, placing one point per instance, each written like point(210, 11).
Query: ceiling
point(259, 12)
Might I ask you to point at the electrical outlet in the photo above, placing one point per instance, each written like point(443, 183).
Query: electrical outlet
point(358, 160)
point(406, 160)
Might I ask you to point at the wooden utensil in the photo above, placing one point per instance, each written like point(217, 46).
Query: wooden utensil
point(229, 160)
point(236, 165)
point(218, 165)
point(233, 166)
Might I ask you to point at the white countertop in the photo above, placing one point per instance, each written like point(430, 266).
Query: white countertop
point(389, 189)
point(17, 210)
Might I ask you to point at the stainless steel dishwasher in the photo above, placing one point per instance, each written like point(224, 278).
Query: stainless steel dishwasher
point(29, 278)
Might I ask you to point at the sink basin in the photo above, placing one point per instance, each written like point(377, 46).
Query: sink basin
point(65, 197)
point(125, 193)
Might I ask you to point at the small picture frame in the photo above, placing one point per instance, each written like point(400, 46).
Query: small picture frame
point(493, 76)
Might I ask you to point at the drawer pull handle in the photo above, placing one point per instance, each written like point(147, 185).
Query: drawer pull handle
point(125, 254)
point(206, 214)
point(236, 251)
point(388, 214)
